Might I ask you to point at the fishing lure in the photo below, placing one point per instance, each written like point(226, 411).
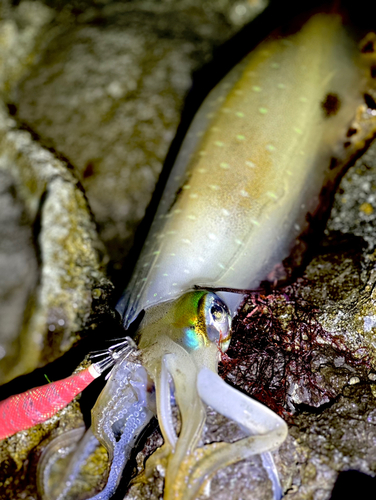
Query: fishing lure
point(249, 177)
point(35, 406)
point(124, 410)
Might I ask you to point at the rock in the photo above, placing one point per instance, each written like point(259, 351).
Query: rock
point(18, 270)
point(68, 250)
point(341, 438)
point(21, 30)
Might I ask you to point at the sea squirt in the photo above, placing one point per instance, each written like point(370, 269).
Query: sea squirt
point(282, 125)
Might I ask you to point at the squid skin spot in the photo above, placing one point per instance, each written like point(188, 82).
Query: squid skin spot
point(333, 163)
point(89, 170)
point(331, 105)
point(347, 144)
point(370, 101)
point(351, 132)
point(368, 47)
point(12, 108)
point(373, 71)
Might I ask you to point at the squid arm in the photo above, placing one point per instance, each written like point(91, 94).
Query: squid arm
point(193, 372)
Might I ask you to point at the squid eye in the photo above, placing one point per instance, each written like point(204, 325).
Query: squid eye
point(218, 321)
point(217, 312)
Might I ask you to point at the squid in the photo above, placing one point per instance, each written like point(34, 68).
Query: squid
point(254, 169)
point(256, 165)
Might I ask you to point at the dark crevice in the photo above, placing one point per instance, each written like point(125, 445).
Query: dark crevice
point(351, 132)
point(12, 108)
point(370, 101)
point(37, 226)
point(352, 484)
point(331, 105)
point(316, 410)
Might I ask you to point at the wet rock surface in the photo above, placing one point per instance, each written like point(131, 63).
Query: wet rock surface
point(18, 268)
point(68, 250)
point(102, 85)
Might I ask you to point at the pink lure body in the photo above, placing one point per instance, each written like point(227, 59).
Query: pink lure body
point(37, 405)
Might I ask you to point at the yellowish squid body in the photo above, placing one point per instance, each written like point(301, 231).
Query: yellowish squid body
point(280, 126)
point(264, 143)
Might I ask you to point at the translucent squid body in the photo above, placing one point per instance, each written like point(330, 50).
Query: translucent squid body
point(279, 128)
point(250, 175)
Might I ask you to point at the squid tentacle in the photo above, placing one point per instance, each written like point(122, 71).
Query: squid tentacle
point(164, 405)
point(58, 448)
point(120, 415)
point(188, 467)
point(268, 430)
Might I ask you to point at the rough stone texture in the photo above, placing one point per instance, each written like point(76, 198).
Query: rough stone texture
point(341, 437)
point(21, 30)
point(18, 268)
point(67, 247)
